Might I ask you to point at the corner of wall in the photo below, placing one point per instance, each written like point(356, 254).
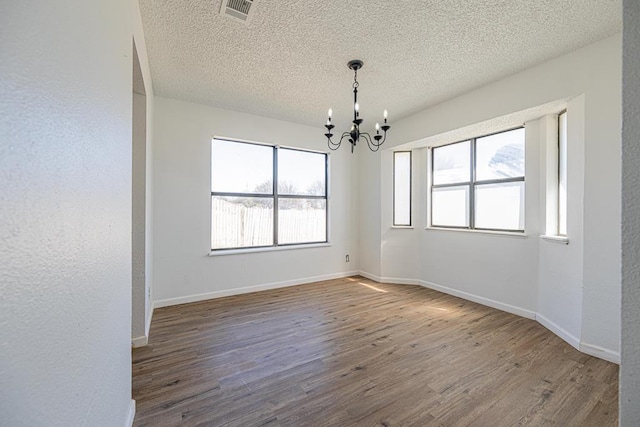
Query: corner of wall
point(131, 414)
point(600, 352)
point(144, 339)
point(630, 229)
point(143, 58)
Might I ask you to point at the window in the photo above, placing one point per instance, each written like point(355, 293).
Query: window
point(562, 174)
point(479, 183)
point(402, 188)
point(266, 196)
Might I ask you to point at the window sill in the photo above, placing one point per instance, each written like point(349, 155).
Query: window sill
point(221, 252)
point(403, 227)
point(563, 240)
point(489, 232)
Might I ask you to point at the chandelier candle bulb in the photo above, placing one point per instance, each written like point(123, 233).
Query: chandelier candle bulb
point(354, 135)
point(385, 114)
point(330, 113)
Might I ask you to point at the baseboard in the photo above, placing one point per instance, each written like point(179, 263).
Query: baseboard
point(144, 340)
point(401, 281)
point(140, 341)
point(248, 289)
point(370, 276)
point(529, 314)
point(464, 295)
point(559, 331)
point(602, 353)
point(147, 325)
point(131, 414)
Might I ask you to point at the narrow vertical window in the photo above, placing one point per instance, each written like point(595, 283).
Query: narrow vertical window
point(562, 174)
point(402, 188)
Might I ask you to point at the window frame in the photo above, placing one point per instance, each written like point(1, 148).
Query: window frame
point(275, 196)
point(562, 213)
point(472, 184)
point(394, 223)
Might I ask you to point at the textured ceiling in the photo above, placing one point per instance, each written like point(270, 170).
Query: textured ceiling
point(290, 61)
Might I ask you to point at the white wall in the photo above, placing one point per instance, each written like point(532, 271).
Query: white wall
point(602, 201)
point(630, 367)
point(65, 204)
point(143, 297)
point(138, 200)
point(183, 269)
point(561, 266)
point(368, 188)
point(519, 274)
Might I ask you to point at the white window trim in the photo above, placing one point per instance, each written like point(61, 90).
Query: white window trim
point(519, 234)
point(221, 252)
point(551, 178)
point(563, 240)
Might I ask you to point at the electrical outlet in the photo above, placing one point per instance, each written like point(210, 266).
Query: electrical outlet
point(346, 258)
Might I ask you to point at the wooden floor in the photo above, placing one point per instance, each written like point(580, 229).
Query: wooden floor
point(352, 352)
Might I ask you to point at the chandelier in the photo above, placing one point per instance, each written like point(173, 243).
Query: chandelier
point(354, 135)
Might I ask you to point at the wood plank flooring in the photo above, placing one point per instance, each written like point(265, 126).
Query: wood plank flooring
point(352, 352)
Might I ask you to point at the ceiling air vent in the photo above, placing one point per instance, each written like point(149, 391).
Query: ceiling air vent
point(238, 9)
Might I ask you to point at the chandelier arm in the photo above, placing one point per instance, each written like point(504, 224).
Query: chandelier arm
point(332, 145)
point(367, 138)
point(384, 138)
point(373, 146)
point(335, 145)
point(344, 135)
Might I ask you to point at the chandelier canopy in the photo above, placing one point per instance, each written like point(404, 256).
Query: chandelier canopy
point(354, 135)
